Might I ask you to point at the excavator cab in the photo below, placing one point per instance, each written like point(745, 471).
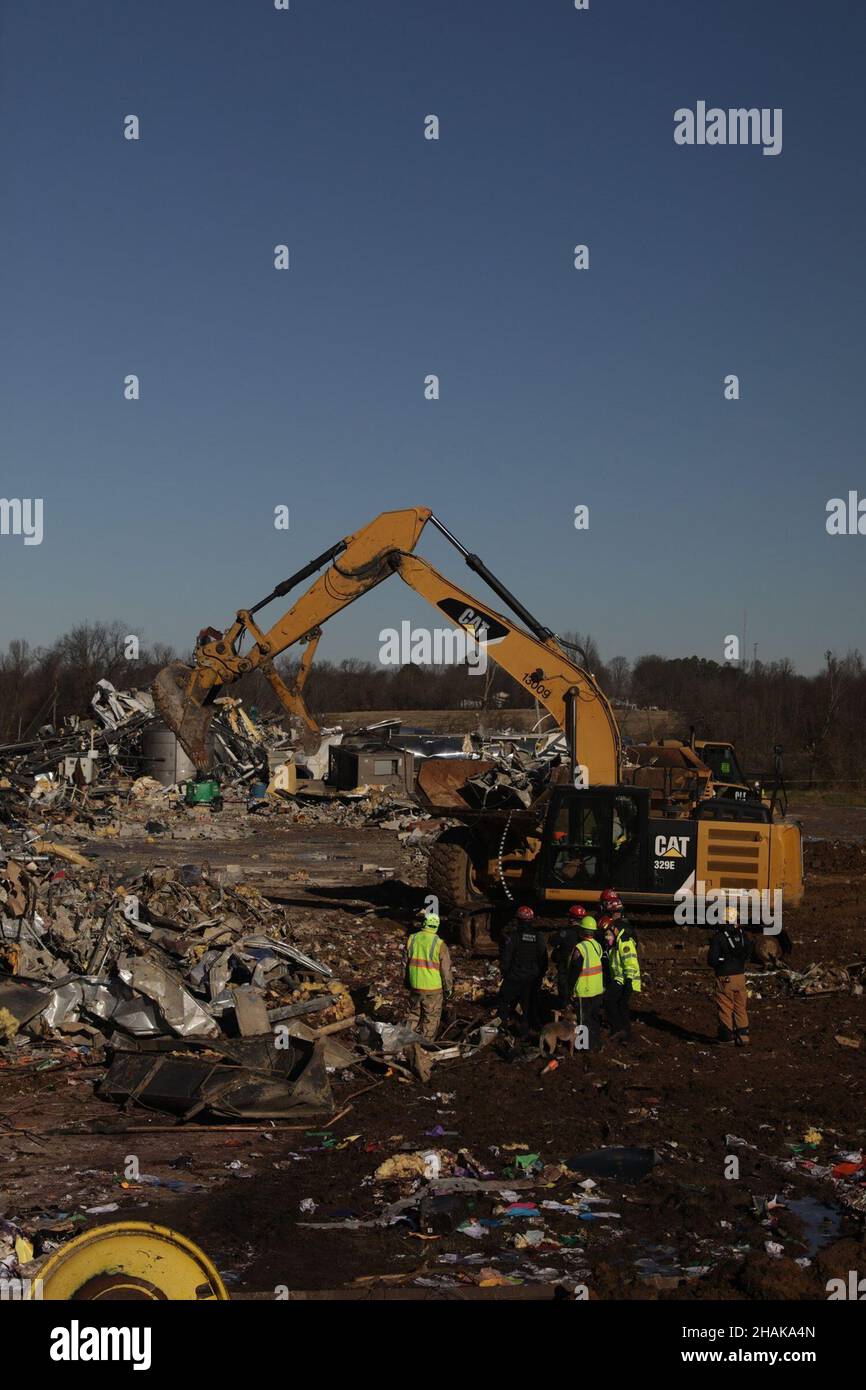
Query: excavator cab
point(594, 837)
point(610, 837)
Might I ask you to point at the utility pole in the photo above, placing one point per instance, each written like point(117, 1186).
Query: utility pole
point(745, 660)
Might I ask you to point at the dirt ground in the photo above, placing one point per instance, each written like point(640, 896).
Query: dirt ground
point(685, 1230)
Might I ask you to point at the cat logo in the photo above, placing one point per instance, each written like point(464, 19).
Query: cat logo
point(672, 846)
point(483, 626)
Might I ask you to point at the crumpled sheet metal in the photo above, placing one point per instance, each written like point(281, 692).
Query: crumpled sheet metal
point(111, 1002)
point(389, 1038)
point(182, 1013)
point(65, 1005)
point(114, 707)
point(188, 1083)
point(287, 951)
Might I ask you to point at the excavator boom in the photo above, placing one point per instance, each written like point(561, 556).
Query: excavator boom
point(359, 562)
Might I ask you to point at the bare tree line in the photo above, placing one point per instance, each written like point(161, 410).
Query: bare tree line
point(817, 719)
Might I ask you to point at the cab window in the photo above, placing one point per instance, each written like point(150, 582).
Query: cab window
point(579, 839)
point(625, 827)
point(723, 764)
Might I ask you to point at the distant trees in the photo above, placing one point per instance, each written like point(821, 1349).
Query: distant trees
point(41, 685)
point(817, 719)
point(619, 678)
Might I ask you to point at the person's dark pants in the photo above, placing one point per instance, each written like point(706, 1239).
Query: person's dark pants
point(517, 990)
point(589, 1016)
point(617, 1006)
point(564, 999)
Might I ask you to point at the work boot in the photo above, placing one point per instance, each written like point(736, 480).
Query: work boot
point(724, 1035)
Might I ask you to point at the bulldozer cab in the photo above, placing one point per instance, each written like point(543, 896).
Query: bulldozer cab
point(728, 778)
point(594, 837)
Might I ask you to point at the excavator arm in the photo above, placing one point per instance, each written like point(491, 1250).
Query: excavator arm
point(357, 564)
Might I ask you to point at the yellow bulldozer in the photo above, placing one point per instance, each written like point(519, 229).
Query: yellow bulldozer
point(649, 832)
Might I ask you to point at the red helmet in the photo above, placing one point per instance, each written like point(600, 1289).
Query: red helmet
point(525, 914)
point(610, 900)
point(578, 911)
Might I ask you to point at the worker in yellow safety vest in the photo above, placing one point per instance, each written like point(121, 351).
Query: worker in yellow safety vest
point(428, 976)
point(586, 982)
point(622, 973)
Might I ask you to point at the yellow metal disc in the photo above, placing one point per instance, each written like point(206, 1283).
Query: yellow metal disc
point(129, 1260)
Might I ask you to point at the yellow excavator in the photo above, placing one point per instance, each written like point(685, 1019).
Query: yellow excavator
point(652, 833)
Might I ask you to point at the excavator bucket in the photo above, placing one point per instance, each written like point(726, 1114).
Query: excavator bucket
point(183, 714)
point(440, 781)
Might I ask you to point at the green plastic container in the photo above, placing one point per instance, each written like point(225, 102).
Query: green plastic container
point(204, 793)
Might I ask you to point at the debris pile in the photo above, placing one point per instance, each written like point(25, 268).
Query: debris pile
point(97, 774)
point(109, 745)
point(825, 979)
point(191, 989)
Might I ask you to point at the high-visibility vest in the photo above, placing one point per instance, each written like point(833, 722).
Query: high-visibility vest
point(425, 948)
point(590, 981)
point(624, 963)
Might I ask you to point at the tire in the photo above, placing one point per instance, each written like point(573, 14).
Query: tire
point(451, 871)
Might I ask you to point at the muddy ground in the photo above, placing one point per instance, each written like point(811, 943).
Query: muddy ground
point(685, 1230)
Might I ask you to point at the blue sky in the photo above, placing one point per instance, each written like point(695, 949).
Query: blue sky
point(408, 256)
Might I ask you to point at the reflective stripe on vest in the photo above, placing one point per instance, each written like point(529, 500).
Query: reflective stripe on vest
point(624, 963)
point(589, 981)
point(425, 948)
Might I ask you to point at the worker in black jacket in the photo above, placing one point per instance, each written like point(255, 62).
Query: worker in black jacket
point(523, 962)
point(727, 956)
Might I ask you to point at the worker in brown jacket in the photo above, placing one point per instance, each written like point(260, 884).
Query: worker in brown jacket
point(728, 953)
point(428, 976)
